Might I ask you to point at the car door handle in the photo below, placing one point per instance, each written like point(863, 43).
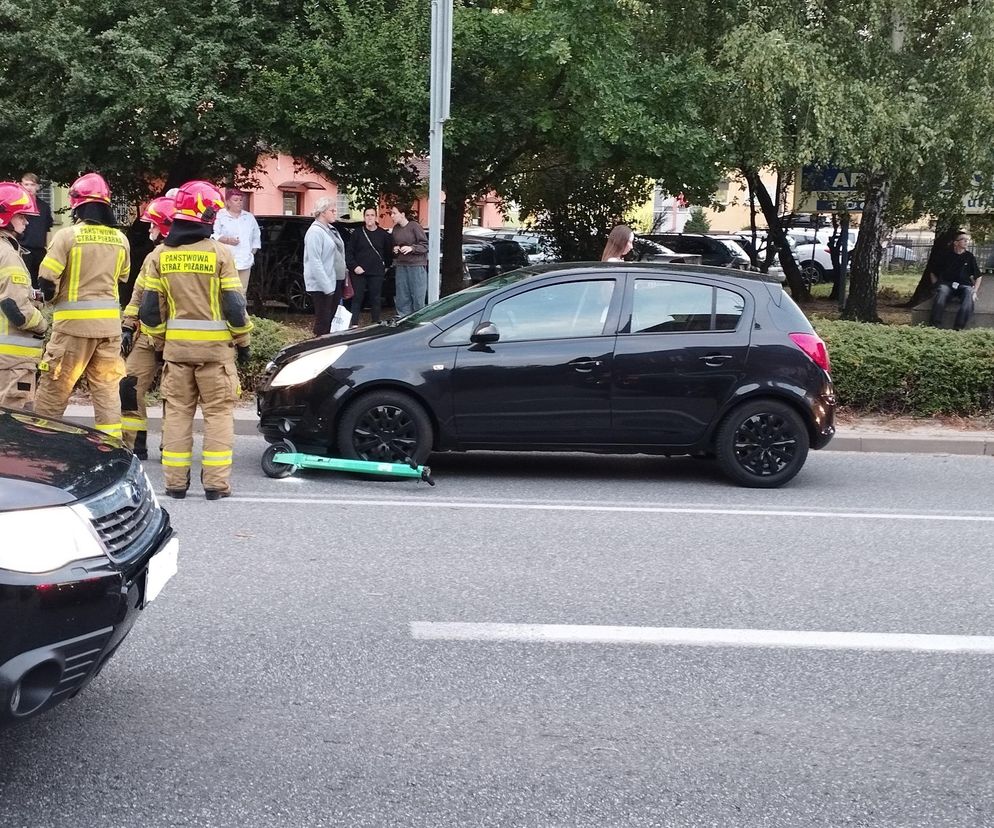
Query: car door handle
point(585, 365)
point(715, 360)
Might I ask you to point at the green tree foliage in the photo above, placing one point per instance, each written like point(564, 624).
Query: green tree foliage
point(147, 94)
point(577, 208)
point(533, 80)
point(698, 222)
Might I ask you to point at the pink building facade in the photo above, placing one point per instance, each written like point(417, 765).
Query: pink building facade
point(286, 190)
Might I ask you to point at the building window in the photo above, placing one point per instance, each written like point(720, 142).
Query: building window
point(342, 204)
point(45, 192)
point(291, 204)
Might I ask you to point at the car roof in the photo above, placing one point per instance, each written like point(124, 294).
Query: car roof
point(662, 268)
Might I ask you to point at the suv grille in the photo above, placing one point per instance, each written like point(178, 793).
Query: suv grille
point(125, 517)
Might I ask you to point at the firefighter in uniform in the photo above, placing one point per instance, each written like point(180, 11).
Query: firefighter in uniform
point(21, 323)
point(194, 298)
point(81, 271)
point(143, 353)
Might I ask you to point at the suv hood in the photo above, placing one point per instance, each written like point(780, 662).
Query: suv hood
point(51, 462)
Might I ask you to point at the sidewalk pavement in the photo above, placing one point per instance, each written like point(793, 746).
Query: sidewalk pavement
point(897, 436)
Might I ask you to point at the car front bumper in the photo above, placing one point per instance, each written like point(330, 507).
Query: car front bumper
point(67, 624)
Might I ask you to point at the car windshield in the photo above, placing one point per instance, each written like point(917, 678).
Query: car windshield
point(454, 301)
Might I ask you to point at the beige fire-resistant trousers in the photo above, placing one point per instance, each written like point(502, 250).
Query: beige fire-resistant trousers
point(215, 386)
point(17, 385)
point(141, 368)
point(66, 359)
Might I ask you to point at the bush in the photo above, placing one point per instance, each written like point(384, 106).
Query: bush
point(268, 338)
point(919, 371)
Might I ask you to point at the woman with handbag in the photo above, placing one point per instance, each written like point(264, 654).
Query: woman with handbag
point(324, 265)
point(367, 256)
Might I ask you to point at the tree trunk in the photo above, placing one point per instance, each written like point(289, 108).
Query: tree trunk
point(453, 212)
point(945, 230)
point(861, 303)
point(798, 289)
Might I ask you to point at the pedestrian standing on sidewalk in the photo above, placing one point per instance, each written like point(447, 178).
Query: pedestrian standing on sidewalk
point(619, 244)
point(410, 252)
point(81, 273)
point(324, 265)
point(21, 323)
point(142, 352)
point(368, 255)
point(194, 299)
point(34, 239)
point(238, 229)
point(956, 275)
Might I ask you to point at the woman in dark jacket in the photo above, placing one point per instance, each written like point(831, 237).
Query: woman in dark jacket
point(367, 257)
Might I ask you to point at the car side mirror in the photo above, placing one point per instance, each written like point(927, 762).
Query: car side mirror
point(486, 333)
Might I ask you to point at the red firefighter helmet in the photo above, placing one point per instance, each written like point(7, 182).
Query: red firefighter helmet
point(14, 200)
point(160, 212)
point(198, 201)
point(87, 188)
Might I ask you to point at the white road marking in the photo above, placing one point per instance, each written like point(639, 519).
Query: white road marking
point(434, 503)
point(702, 637)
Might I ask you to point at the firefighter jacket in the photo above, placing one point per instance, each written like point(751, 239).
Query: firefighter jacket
point(132, 309)
point(85, 263)
point(194, 299)
point(19, 318)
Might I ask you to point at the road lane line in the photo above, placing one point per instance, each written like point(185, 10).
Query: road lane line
point(701, 637)
point(599, 507)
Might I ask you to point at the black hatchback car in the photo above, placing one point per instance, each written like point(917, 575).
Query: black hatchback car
point(602, 357)
point(84, 547)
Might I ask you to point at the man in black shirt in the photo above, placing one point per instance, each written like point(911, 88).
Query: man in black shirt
point(34, 239)
point(367, 256)
point(954, 273)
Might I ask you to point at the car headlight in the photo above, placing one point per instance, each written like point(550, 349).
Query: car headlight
point(308, 366)
point(40, 540)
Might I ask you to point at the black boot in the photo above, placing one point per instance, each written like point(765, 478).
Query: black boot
point(141, 445)
point(216, 494)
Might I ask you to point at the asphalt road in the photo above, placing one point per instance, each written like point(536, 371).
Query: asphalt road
point(282, 678)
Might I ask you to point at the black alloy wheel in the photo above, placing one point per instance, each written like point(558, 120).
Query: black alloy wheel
point(812, 273)
point(385, 427)
point(762, 444)
point(298, 300)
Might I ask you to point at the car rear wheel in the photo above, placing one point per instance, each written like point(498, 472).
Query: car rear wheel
point(385, 427)
point(762, 444)
point(297, 297)
point(812, 273)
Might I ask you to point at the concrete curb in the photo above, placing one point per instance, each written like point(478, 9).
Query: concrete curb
point(848, 438)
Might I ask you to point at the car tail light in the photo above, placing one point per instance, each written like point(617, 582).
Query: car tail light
point(814, 346)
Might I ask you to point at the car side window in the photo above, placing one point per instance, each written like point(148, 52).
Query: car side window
point(561, 311)
point(661, 306)
point(728, 309)
point(459, 333)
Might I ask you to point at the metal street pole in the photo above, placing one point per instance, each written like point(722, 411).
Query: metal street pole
point(441, 82)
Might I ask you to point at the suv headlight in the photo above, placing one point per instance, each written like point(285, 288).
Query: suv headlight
point(308, 366)
point(40, 540)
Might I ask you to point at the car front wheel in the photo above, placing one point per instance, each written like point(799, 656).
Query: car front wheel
point(385, 427)
point(762, 444)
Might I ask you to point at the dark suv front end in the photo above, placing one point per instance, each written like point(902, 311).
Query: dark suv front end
point(86, 546)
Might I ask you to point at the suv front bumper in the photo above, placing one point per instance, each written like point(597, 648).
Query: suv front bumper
point(67, 624)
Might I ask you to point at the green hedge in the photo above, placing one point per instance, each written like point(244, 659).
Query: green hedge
point(268, 337)
point(918, 371)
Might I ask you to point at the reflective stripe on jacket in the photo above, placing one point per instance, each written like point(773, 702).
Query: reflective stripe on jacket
point(194, 299)
point(86, 263)
point(19, 318)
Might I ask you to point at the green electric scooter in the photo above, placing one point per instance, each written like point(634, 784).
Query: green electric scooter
point(282, 460)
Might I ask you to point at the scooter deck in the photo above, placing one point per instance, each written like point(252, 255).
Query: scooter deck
point(314, 461)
